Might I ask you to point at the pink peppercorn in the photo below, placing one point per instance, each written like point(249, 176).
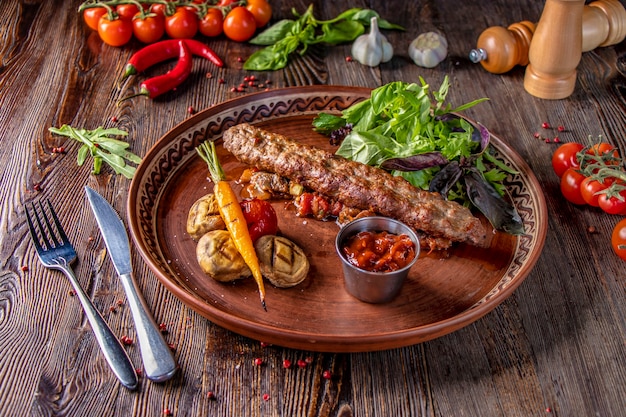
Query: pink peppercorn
point(266, 397)
point(286, 363)
point(258, 361)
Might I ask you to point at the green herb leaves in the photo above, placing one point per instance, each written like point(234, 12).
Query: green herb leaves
point(286, 36)
point(102, 147)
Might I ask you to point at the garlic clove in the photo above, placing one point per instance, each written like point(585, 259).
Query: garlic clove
point(372, 48)
point(428, 49)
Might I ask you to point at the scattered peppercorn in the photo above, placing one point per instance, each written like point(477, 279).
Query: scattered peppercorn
point(112, 309)
point(286, 363)
point(113, 119)
point(163, 328)
point(191, 110)
point(266, 397)
point(239, 59)
point(139, 371)
point(24, 268)
point(537, 135)
point(209, 75)
point(348, 59)
point(545, 125)
point(37, 187)
point(211, 395)
point(119, 303)
point(126, 340)
point(265, 344)
point(556, 140)
point(71, 293)
point(548, 410)
point(167, 412)
point(301, 363)
point(171, 346)
point(327, 374)
point(258, 361)
point(561, 128)
point(591, 230)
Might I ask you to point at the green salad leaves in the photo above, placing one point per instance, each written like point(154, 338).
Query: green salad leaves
point(412, 132)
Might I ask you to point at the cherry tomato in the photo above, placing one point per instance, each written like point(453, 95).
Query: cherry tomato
point(618, 239)
point(92, 16)
point(590, 188)
point(570, 186)
point(609, 153)
point(115, 32)
point(150, 28)
point(211, 23)
point(565, 156)
point(261, 218)
point(127, 11)
point(181, 25)
point(159, 8)
point(239, 24)
point(613, 204)
point(261, 10)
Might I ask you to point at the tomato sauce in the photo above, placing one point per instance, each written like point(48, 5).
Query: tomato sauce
point(379, 251)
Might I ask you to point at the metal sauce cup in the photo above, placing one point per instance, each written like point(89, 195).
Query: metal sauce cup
point(374, 287)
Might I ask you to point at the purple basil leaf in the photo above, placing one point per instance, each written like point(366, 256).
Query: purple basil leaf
point(445, 179)
point(498, 211)
point(415, 162)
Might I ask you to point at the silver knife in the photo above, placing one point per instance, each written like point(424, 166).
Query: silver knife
point(158, 360)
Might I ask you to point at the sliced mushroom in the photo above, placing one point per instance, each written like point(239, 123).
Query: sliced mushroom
point(282, 262)
point(218, 257)
point(203, 217)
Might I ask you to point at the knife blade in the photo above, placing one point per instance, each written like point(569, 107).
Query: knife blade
point(158, 360)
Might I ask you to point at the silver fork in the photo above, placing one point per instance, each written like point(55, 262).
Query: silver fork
point(56, 252)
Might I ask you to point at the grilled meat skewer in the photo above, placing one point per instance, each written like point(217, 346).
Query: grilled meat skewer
point(356, 185)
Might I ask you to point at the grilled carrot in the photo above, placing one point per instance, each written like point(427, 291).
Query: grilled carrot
point(232, 214)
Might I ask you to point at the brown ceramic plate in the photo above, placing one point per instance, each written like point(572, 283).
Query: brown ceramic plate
point(442, 293)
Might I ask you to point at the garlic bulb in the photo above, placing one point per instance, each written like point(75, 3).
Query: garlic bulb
point(372, 48)
point(428, 49)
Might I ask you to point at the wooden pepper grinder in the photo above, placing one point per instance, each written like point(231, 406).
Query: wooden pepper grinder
point(555, 50)
point(499, 49)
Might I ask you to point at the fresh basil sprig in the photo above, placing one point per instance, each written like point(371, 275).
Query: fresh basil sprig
point(287, 36)
point(100, 144)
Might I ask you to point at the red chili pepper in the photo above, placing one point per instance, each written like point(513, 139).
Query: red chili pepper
point(167, 49)
point(155, 86)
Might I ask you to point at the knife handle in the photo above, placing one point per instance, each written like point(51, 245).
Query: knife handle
point(158, 360)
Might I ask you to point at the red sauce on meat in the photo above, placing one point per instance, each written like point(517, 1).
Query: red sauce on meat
point(379, 251)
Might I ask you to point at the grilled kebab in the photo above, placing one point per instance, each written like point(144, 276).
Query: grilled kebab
point(438, 221)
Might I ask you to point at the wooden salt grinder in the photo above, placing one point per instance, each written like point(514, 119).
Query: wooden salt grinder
point(499, 50)
point(555, 50)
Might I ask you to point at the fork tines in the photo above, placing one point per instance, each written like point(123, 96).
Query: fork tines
point(47, 234)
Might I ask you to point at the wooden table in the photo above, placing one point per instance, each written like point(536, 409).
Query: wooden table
point(555, 347)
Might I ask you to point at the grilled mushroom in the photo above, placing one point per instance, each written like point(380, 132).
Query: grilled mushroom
point(218, 257)
point(203, 217)
point(283, 262)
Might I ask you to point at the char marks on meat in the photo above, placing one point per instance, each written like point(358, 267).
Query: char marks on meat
point(356, 185)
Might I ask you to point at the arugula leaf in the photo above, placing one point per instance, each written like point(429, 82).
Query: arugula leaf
point(100, 144)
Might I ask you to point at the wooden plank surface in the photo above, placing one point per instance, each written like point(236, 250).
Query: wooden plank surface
point(555, 347)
